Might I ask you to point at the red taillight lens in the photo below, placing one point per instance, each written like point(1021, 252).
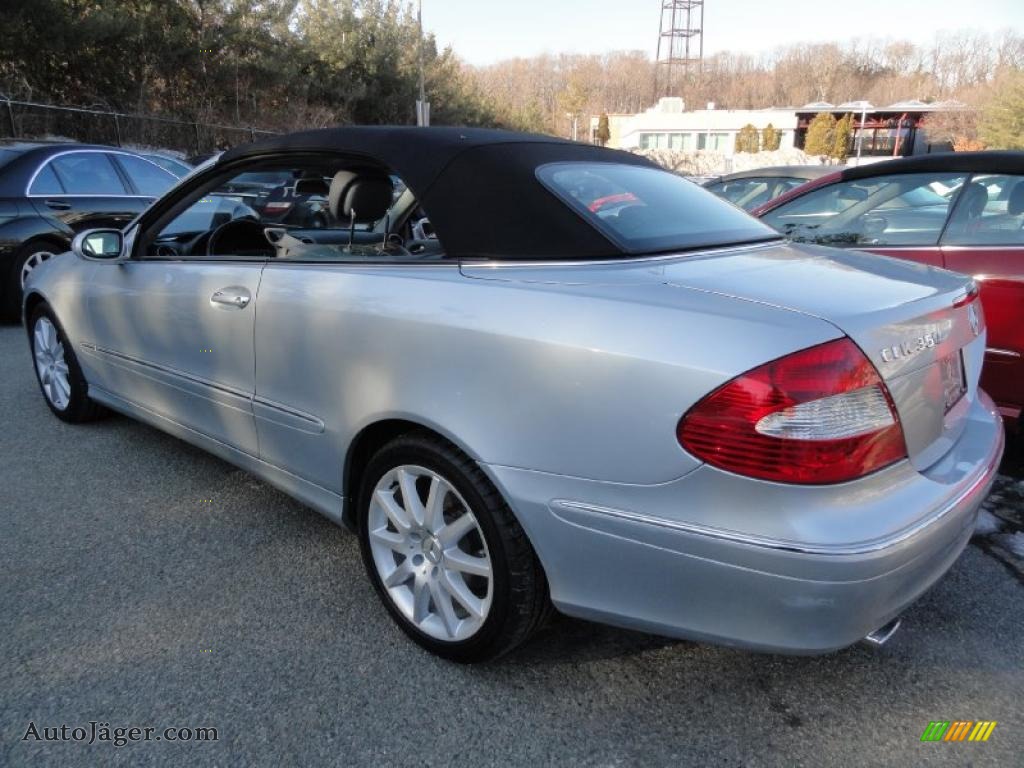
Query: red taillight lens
point(821, 415)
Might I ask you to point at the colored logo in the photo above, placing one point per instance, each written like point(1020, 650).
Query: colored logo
point(958, 730)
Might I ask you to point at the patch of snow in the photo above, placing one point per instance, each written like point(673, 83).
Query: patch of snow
point(707, 163)
point(987, 523)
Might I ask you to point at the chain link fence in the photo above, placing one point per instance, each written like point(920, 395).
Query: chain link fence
point(29, 120)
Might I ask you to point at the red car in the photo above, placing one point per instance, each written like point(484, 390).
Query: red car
point(962, 211)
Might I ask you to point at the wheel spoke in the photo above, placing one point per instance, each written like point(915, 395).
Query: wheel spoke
point(51, 336)
point(420, 601)
point(61, 368)
point(398, 516)
point(410, 496)
point(40, 338)
point(432, 517)
point(455, 530)
point(457, 560)
point(443, 603)
point(400, 575)
point(458, 589)
point(391, 540)
point(63, 388)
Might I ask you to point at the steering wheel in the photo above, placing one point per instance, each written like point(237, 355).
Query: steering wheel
point(242, 237)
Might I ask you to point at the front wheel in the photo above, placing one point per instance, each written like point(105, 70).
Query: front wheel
point(57, 371)
point(445, 553)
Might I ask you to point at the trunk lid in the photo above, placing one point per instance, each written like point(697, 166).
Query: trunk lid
point(901, 314)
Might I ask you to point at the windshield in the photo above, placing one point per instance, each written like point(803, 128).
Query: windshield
point(647, 210)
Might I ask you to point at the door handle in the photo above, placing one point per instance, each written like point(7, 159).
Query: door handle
point(58, 205)
point(238, 298)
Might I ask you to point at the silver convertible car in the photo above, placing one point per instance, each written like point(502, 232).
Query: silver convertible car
point(546, 375)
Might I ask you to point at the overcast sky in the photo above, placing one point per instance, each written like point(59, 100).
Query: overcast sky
point(485, 31)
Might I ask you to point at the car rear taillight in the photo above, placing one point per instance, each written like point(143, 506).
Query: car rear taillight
point(273, 209)
point(821, 415)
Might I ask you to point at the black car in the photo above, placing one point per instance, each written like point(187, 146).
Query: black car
point(49, 192)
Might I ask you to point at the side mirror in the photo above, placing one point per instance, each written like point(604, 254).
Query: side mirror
point(99, 245)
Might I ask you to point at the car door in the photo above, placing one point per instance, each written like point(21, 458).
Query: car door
point(172, 332)
point(985, 238)
point(85, 189)
point(899, 215)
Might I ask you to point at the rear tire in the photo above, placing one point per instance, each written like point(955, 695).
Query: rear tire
point(57, 371)
point(462, 580)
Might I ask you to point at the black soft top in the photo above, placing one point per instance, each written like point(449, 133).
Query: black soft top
point(478, 186)
point(957, 162)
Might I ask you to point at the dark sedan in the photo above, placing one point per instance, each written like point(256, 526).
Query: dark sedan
point(750, 189)
point(962, 211)
point(49, 192)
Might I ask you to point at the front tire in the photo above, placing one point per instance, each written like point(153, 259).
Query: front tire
point(60, 377)
point(445, 553)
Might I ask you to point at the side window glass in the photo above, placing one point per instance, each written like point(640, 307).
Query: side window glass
point(46, 182)
point(901, 209)
point(308, 213)
point(88, 173)
point(990, 211)
point(148, 178)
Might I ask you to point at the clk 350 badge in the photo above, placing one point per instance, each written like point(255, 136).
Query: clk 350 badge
point(910, 348)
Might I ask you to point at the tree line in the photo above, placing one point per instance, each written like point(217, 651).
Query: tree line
point(290, 64)
point(274, 64)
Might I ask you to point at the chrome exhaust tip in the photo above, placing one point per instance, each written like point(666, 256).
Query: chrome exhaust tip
point(882, 635)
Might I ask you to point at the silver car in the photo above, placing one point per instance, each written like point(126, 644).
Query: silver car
point(547, 375)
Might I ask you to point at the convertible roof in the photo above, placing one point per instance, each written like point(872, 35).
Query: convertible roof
point(963, 162)
point(478, 186)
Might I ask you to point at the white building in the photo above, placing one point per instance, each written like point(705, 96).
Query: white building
point(668, 125)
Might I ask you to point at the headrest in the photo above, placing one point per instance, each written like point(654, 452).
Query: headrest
point(364, 195)
point(975, 200)
point(1015, 203)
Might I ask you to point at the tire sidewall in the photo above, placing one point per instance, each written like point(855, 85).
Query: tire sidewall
point(417, 452)
point(78, 400)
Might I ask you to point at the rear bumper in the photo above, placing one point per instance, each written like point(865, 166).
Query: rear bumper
point(732, 561)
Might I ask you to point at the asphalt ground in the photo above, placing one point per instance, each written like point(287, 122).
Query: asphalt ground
point(145, 583)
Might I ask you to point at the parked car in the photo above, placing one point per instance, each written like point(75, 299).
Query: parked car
point(641, 414)
point(754, 188)
point(178, 167)
point(962, 211)
point(48, 192)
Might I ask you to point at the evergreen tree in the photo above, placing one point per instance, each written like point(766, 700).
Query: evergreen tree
point(841, 138)
point(748, 139)
point(1002, 121)
point(820, 138)
point(604, 131)
point(771, 138)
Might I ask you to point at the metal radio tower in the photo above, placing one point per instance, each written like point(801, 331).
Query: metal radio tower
point(680, 42)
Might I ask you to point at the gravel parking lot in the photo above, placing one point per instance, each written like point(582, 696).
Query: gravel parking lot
point(145, 583)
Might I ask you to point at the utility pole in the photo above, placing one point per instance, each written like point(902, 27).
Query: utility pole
point(860, 134)
point(422, 105)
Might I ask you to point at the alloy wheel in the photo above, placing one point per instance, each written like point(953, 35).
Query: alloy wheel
point(33, 261)
point(430, 553)
point(51, 364)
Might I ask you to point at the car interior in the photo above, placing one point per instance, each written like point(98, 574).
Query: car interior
point(328, 212)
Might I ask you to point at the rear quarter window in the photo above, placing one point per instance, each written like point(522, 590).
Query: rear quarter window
point(648, 210)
